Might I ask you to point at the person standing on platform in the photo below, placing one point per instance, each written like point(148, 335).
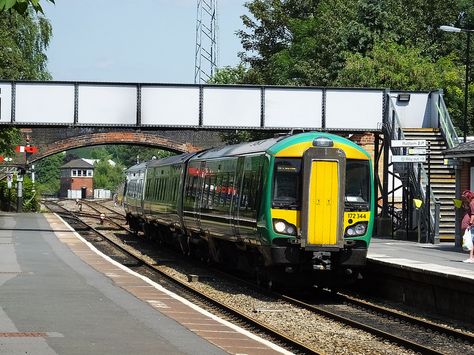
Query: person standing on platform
point(467, 198)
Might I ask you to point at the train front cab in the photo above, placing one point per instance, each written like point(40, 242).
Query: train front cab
point(330, 216)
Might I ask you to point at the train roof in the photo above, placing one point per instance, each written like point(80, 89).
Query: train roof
point(174, 159)
point(239, 149)
point(271, 146)
point(138, 167)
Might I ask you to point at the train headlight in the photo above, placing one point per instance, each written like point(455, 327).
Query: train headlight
point(279, 226)
point(356, 230)
point(360, 228)
point(283, 227)
point(323, 142)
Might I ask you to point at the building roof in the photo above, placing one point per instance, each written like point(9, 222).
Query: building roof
point(462, 150)
point(77, 164)
point(93, 161)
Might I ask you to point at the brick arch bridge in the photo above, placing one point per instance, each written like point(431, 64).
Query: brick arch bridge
point(149, 139)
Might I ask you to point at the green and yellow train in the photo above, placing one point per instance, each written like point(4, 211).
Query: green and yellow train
point(296, 208)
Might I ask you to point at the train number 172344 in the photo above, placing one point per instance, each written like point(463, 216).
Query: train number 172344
point(358, 215)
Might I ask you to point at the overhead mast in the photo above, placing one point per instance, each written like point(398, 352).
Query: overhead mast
point(206, 55)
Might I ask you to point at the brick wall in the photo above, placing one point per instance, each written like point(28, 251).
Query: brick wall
point(77, 183)
point(54, 140)
point(466, 176)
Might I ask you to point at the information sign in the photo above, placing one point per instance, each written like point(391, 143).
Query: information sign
point(417, 151)
point(408, 159)
point(409, 143)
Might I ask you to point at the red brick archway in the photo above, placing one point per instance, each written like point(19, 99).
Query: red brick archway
point(135, 138)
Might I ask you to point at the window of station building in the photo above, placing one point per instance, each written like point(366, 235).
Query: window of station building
point(73, 172)
point(89, 173)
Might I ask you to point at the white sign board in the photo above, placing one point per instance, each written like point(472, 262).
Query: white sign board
point(5, 102)
point(107, 104)
point(170, 106)
point(361, 108)
point(408, 159)
point(44, 103)
point(293, 108)
point(408, 143)
point(417, 151)
point(231, 107)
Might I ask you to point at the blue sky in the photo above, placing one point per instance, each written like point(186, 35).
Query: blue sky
point(134, 40)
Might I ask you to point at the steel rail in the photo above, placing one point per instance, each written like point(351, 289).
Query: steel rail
point(89, 203)
point(345, 320)
point(108, 218)
point(294, 344)
point(406, 317)
point(319, 310)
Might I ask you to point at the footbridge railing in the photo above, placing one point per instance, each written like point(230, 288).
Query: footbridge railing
point(446, 125)
point(414, 175)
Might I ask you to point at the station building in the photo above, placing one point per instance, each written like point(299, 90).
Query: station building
point(77, 179)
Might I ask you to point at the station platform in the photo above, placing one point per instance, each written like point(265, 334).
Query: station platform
point(428, 277)
point(443, 258)
point(61, 296)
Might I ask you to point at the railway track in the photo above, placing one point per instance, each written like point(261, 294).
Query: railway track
point(94, 236)
point(102, 208)
point(101, 212)
point(414, 333)
point(410, 332)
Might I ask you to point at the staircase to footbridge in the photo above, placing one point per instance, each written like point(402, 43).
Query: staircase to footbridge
point(61, 115)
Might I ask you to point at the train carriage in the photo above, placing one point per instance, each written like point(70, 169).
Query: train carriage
point(295, 207)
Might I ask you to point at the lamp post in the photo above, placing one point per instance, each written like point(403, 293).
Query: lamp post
point(466, 82)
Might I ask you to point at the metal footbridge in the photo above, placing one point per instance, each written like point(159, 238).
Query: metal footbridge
point(389, 115)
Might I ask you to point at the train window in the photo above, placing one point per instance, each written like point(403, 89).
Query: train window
point(230, 189)
point(287, 183)
point(217, 189)
point(357, 182)
point(247, 196)
point(223, 189)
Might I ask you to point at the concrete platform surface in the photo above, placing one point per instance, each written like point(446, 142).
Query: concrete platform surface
point(441, 258)
point(59, 296)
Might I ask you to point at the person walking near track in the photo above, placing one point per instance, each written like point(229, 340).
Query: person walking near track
point(467, 222)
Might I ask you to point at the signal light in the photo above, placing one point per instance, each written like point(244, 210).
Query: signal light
point(31, 149)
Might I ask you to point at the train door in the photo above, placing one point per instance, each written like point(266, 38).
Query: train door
point(238, 196)
point(192, 196)
point(323, 197)
point(248, 187)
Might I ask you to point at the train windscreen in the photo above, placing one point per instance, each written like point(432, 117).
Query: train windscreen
point(357, 183)
point(287, 183)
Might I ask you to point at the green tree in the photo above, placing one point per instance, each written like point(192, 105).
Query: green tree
point(8, 197)
point(21, 6)
point(23, 42)
point(127, 155)
point(331, 43)
point(230, 75)
point(398, 67)
point(107, 176)
point(9, 139)
point(48, 172)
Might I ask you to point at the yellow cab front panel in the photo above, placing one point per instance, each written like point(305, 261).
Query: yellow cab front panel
point(323, 209)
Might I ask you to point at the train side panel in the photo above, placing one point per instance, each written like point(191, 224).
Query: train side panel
point(162, 194)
